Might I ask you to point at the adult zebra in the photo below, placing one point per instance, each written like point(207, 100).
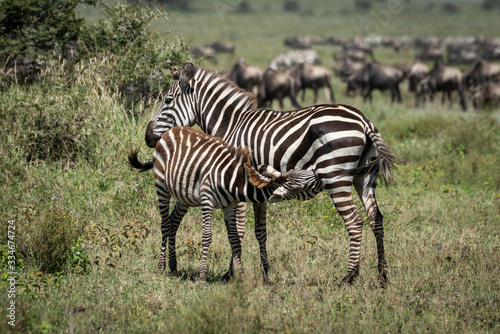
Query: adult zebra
point(200, 170)
point(337, 141)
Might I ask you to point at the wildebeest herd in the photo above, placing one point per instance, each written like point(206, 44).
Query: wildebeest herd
point(326, 147)
point(465, 65)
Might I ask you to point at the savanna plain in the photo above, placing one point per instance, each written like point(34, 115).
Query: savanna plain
point(441, 211)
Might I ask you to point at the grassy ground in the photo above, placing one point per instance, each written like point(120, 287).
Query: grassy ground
point(441, 214)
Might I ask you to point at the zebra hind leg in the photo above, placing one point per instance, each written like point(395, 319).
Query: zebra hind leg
point(163, 205)
point(345, 206)
point(366, 191)
point(241, 210)
point(261, 235)
point(233, 234)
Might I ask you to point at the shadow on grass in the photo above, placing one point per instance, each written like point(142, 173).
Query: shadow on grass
point(193, 275)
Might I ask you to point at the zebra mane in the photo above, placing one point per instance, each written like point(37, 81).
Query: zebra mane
point(250, 99)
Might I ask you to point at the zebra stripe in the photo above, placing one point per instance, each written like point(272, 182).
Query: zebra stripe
point(200, 170)
point(336, 141)
point(289, 59)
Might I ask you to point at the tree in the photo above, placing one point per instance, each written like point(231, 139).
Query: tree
point(35, 32)
point(31, 29)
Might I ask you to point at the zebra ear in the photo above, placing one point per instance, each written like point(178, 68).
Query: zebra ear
point(176, 73)
point(187, 73)
point(268, 171)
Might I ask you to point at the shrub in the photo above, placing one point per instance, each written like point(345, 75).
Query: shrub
point(46, 239)
point(35, 32)
point(112, 242)
point(55, 121)
point(31, 30)
point(141, 58)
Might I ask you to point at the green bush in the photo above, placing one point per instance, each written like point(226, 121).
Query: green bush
point(47, 239)
point(54, 121)
point(112, 242)
point(34, 33)
point(32, 30)
point(141, 58)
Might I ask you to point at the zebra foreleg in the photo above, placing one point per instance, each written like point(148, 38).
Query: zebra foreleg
point(174, 220)
point(261, 235)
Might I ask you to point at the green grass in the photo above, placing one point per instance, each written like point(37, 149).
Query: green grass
point(441, 214)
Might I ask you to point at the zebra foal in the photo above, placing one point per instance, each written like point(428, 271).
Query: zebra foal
point(200, 170)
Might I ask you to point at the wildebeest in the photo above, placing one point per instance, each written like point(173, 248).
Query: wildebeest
point(462, 50)
point(205, 51)
point(346, 68)
point(304, 41)
point(277, 85)
point(246, 76)
point(490, 49)
point(223, 47)
point(313, 77)
point(427, 42)
point(418, 71)
point(354, 50)
point(489, 95)
point(299, 42)
point(481, 72)
point(445, 79)
point(430, 54)
point(376, 76)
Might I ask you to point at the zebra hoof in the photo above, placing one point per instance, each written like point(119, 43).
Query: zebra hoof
point(226, 277)
point(383, 280)
point(349, 278)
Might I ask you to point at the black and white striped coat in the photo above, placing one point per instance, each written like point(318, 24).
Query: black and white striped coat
point(338, 142)
point(289, 59)
point(200, 170)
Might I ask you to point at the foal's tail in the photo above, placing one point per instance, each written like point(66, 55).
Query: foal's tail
point(134, 162)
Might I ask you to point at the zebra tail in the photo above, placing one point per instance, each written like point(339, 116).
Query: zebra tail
point(385, 163)
point(134, 162)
